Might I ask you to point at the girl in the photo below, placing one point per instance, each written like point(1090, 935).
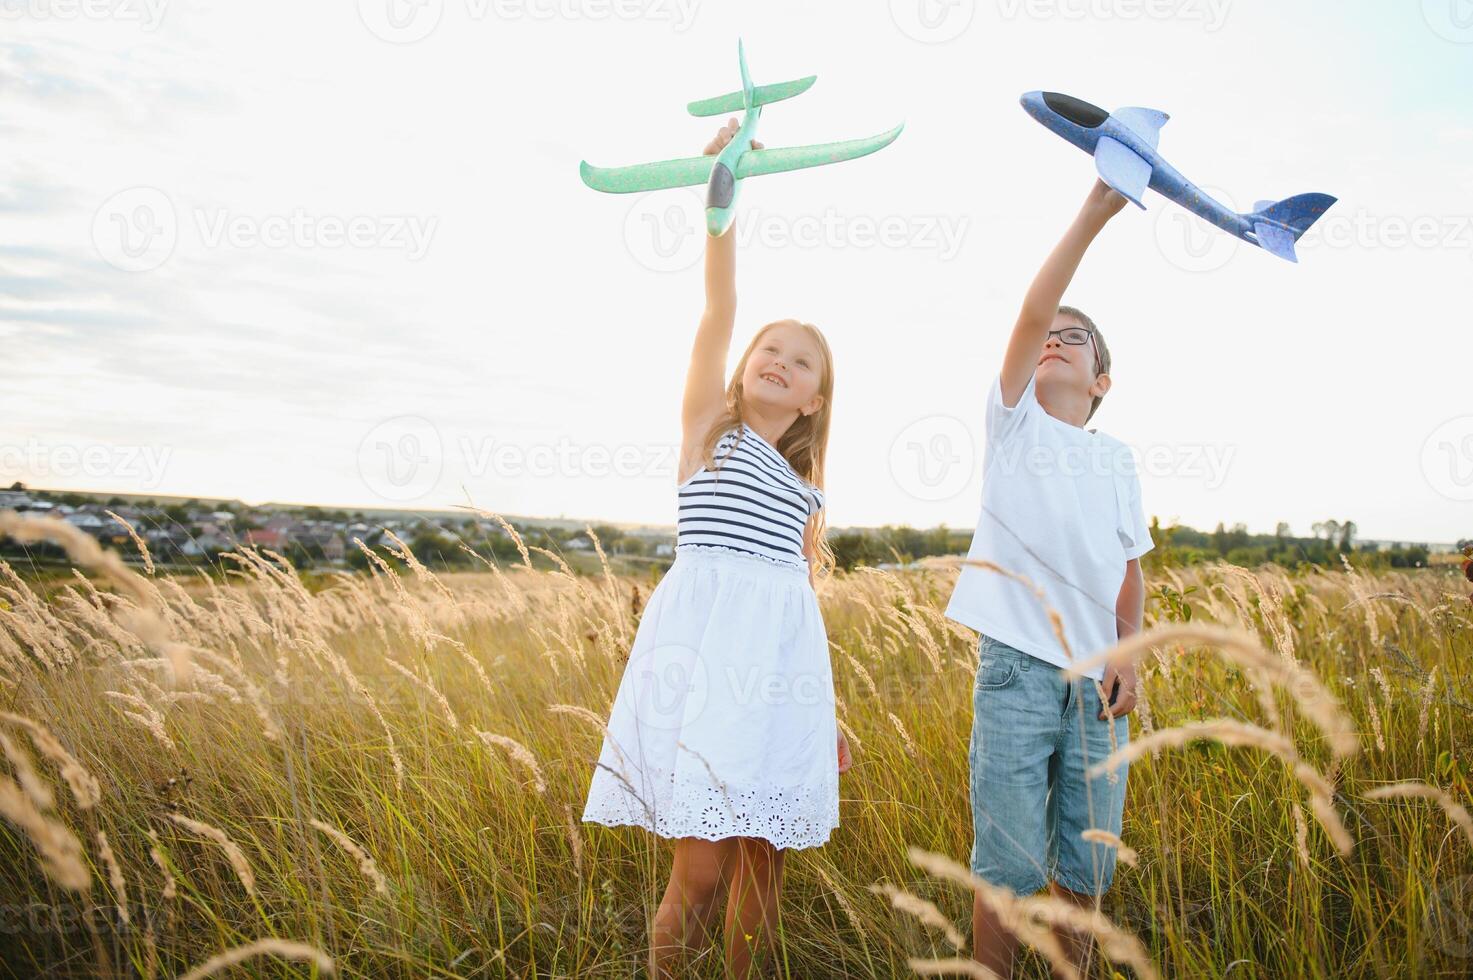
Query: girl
point(723, 734)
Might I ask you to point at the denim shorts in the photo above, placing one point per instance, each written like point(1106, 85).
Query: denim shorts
point(1031, 799)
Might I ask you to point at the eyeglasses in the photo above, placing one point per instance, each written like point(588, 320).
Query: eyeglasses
point(1077, 337)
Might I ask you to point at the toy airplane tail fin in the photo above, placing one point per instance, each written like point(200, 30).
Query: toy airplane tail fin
point(746, 79)
point(1279, 224)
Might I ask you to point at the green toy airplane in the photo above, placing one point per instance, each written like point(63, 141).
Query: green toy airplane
point(724, 172)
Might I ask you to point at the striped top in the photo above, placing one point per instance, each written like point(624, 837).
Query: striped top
point(753, 502)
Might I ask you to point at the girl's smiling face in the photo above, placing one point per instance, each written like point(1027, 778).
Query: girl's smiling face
point(784, 372)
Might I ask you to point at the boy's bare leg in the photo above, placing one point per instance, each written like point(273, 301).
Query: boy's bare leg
point(1078, 946)
point(687, 911)
point(997, 949)
point(992, 945)
point(752, 908)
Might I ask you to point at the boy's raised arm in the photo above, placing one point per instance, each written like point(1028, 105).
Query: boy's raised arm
point(1042, 302)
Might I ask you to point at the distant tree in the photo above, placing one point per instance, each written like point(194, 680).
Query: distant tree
point(18, 486)
point(627, 545)
point(936, 541)
point(1412, 556)
point(1347, 535)
point(1247, 557)
point(431, 547)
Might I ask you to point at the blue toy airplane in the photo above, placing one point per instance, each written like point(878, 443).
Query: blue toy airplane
point(723, 173)
point(1123, 144)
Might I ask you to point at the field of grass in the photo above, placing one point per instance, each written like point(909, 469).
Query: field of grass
point(386, 772)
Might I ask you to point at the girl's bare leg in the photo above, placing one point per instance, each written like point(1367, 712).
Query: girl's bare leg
point(752, 907)
point(687, 911)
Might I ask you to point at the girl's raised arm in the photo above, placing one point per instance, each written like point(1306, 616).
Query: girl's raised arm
point(705, 380)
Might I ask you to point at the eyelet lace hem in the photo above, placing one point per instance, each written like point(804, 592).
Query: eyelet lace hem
point(692, 805)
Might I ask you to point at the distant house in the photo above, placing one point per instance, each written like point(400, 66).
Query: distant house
point(205, 543)
point(14, 500)
point(87, 521)
point(578, 544)
point(336, 549)
point(265, 538)
point(664, 550)
point(163, 542)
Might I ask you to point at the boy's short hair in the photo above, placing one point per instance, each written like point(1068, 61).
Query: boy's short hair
point(1100, 346)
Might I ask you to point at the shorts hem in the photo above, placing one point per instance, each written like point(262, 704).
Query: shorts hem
point(1033, 884)
point(1073, 884)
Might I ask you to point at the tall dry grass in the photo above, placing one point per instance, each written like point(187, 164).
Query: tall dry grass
point(381, 775)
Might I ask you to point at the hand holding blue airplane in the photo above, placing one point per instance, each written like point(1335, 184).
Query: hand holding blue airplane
point(1123, 144)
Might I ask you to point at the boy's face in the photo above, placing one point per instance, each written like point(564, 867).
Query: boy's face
point(1069, 367)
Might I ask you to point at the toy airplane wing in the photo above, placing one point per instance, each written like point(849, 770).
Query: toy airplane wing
point(754, 163)
point(648, 176)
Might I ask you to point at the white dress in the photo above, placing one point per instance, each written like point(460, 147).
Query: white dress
point(724, 721)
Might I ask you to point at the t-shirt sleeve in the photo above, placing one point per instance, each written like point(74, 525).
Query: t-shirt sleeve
point(815, 500)
point(1134, 530)
point(1003, 422)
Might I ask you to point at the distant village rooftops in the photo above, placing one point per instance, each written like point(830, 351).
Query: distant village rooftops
point(188, 531)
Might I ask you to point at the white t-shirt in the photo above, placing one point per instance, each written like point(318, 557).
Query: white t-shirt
point(1062, 506)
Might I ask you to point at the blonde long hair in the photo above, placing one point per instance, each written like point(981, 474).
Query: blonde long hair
point(804, 445)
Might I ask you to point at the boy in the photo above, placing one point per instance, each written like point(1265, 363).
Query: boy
point(1061, 506)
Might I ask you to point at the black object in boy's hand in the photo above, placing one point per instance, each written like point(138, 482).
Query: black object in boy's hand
point(1114, 690)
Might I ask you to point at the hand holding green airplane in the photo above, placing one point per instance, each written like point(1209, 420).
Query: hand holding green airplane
point(722, 168)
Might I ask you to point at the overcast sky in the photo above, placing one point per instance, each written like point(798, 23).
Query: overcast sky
point(339, 253)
